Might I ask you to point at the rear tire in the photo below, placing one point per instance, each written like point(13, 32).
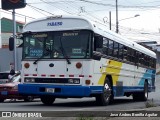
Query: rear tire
point(142, 96)
point(106, 97)
point(47, 100)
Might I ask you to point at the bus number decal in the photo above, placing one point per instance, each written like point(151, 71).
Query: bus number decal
point(36, 52)
point(76, 51)
point(54, 23)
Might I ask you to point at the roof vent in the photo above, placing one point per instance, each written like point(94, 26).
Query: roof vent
point(53, 17)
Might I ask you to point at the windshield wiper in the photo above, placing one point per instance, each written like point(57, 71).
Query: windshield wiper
point(63, 52)
point(45, 54)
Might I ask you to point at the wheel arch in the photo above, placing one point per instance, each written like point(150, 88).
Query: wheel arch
point(110, 79)
point(146, 81)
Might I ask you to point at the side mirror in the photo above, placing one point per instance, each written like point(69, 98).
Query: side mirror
point(11, 43)
point(98, 41)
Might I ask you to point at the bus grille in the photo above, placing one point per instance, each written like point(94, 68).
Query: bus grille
point(51, 80)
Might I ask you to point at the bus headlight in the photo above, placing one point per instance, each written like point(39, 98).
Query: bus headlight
point(29, 80)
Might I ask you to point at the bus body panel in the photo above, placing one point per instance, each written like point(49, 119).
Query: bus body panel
point(125, 77)
point(63, 77)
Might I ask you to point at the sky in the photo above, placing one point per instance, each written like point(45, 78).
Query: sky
point(148, 11)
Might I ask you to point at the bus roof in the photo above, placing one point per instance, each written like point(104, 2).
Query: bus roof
point(62, 23)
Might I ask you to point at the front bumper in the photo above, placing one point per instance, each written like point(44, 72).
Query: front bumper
point(59, 90)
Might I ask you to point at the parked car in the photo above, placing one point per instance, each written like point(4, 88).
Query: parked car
point(4, 77)
point(10, 90)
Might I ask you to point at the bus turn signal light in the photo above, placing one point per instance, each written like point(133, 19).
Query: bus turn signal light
point(26, 65)
point(88, 82)
point(78, 65)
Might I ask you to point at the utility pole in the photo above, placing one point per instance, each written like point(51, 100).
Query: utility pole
point(110, 27)
point(117, 16)
point(12, 5)
point(14, 36)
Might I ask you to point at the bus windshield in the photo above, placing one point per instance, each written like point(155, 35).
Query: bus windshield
point(61, 44)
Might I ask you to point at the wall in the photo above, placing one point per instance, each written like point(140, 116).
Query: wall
point(6, 57)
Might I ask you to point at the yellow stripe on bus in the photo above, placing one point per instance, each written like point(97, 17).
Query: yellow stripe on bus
point(112, 67)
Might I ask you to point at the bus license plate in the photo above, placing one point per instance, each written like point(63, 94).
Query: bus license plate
point(4, 93)
point(50, 90)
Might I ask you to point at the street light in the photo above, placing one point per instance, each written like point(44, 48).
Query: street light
point(117, 23)
point(105, 19)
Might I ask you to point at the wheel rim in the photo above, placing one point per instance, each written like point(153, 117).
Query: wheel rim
point(30, 98)
point(146, 91)
point(107, 91)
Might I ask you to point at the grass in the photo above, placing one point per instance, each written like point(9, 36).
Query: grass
point(149, 104)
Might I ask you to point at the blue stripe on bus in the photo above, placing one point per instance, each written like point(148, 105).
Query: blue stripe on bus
point(149, 75)
point(62, 90)
point(71, 91)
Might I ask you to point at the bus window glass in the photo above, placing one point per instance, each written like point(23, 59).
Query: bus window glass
point(110, 48)
point(116, 49)
point(70, 44)
point(131, 55)
point(105, 46)
point(33, 45)
point(121, 51)
point(125, 54)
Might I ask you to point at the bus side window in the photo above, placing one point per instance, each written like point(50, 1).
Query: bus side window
point(137, 58)
point(110, 48)
point(125, 55)
point(153, 65)
point(105, 46)
point(145, 60)
point(121, 51)
point(141, 60)
point(150, 62)
point(98, 43)
point(116, 50)
point(131, 55)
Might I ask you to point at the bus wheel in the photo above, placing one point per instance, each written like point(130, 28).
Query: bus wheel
point(142, 96)
point(145, 92)
point(106, 97)
point(29, 99)
point(47, 100)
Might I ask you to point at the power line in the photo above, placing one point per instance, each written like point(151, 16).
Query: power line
point(56, 7)
point(9, 12)
point(123, 6)
point(100, 21)
point(148, 2)
point(39, 9)
point(74, 6)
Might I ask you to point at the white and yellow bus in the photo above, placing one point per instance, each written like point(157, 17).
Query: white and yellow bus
point(72, 57)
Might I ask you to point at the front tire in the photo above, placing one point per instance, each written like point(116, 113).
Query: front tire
point(106, 97)
point(29, 99)
point(47, 100)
